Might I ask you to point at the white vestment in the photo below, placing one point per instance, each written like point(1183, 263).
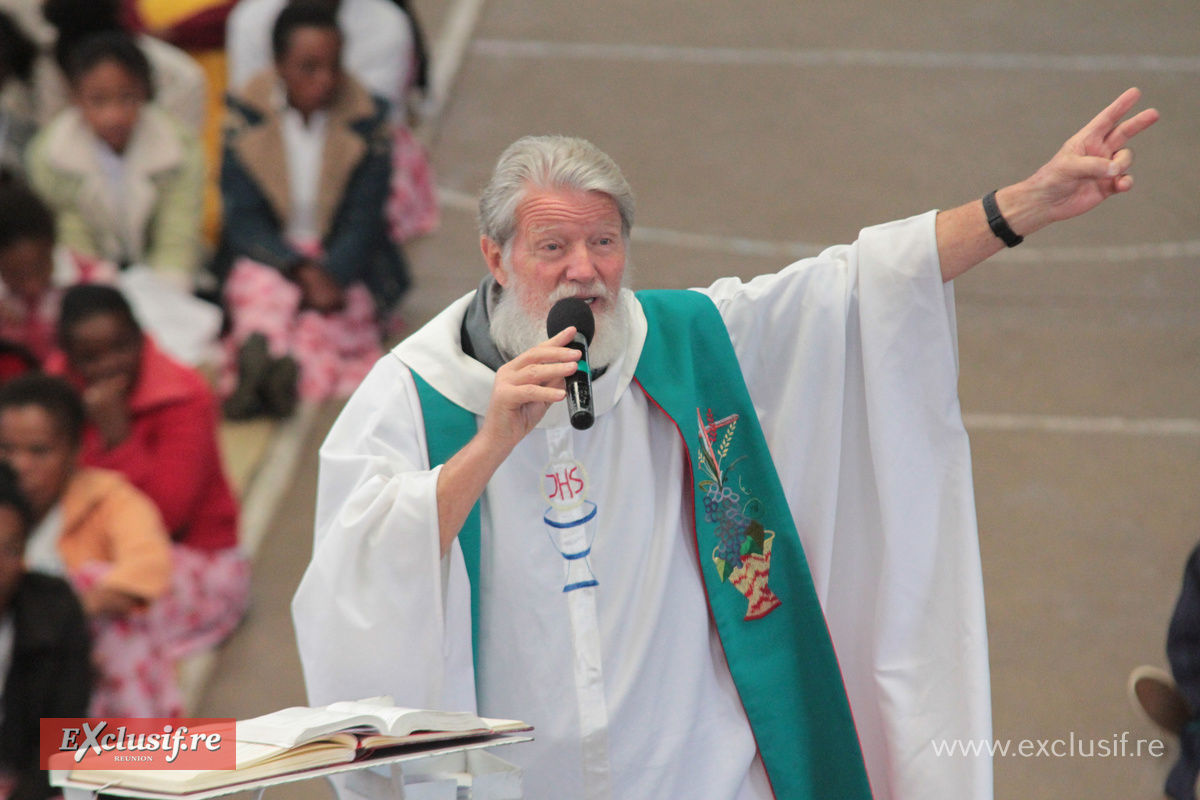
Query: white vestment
point(851, 362)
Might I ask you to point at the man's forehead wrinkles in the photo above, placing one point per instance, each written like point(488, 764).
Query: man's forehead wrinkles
point(543, 209)
point(539, 226)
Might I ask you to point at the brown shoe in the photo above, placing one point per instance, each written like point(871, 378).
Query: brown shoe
point(253, 361)
point(1154, 696)
point(280, 388)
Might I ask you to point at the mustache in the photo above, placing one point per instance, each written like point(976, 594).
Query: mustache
point(594, 288)
point(538, 305)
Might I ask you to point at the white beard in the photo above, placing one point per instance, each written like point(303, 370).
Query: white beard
point(514, 329)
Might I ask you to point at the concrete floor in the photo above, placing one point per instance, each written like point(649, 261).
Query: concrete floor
point(797, 124)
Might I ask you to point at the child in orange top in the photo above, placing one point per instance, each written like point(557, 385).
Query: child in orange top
point(100, 533)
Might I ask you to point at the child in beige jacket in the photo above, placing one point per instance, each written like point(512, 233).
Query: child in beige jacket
point(125, 178)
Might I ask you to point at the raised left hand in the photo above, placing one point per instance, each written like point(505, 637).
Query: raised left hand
point(1091, 166)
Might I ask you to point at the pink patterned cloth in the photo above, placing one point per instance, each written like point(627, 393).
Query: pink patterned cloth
point(412, 207)
point(135, 654)
point(210, 590)
point(135, 678)
point(335, 351)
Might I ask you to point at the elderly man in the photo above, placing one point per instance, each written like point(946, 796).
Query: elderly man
point(777, 469)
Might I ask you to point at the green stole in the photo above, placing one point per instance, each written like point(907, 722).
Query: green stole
point(760, 591)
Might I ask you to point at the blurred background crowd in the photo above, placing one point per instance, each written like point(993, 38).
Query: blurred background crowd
point(203, 207)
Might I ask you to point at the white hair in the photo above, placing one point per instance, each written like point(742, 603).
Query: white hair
point(549, 162)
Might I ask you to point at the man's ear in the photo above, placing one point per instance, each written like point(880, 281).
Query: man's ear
point(493, 255)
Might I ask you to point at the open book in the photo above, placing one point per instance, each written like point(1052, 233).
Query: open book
point(296, 739)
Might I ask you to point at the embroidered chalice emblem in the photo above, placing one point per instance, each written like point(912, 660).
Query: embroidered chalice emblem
point(743, 552)
point(570, 520)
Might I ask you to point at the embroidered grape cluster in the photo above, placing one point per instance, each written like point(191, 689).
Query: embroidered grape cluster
point(721, 506)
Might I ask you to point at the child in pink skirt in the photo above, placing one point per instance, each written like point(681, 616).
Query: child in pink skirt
point(309, 267)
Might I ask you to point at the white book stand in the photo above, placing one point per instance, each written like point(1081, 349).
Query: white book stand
point(462, 771)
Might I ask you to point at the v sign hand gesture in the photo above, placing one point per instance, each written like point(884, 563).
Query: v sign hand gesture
point(1091, 166)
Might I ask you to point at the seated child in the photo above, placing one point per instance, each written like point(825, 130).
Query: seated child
point(125, 178)
point(179, 82)
point(383, 48)
point(305, 176)
point(154, 421)
point(49, 671)
point(102, 535)
point(34, 271)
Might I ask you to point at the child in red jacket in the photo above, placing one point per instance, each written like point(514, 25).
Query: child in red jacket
point(154, 420)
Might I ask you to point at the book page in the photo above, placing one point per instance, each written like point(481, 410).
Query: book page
point(398, 721)
point(291, 726)
point(506, 725)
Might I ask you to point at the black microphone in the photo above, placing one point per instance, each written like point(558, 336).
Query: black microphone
point(568, 312)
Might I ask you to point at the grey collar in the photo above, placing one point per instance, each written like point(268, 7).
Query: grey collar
point(476, 326)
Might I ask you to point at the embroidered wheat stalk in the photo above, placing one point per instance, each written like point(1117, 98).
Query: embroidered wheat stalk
point(724, 449)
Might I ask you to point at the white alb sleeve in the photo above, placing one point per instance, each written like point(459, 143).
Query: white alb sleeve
point(378, 610)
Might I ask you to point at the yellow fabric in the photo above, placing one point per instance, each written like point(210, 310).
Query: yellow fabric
point(159, 14)
point(213, 64)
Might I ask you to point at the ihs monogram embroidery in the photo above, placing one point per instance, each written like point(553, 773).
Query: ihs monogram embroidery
point(569, 520)
point(743, 553)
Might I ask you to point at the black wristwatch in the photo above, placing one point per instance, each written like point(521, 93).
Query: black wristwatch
point(998, 223)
